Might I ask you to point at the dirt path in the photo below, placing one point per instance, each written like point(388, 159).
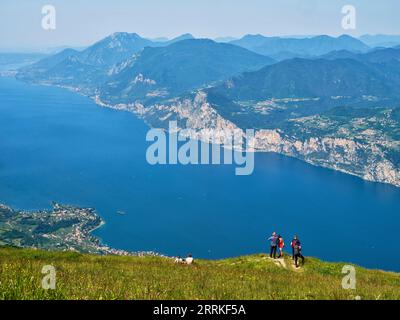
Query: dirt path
point(281, 263)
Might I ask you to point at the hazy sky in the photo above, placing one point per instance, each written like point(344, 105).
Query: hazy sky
point(82, 22)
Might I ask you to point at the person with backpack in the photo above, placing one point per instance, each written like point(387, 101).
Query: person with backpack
point(297, 252)
point(292, 244)
point(281, 245)
point(273, 243)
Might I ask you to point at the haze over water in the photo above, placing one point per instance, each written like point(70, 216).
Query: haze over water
point(58, 146)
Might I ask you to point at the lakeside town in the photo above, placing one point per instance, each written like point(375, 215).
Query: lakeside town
point(64, 228)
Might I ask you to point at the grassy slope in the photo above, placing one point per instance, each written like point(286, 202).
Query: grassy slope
point(253, 277)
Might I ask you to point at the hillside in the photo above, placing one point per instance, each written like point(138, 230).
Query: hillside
point(302, 78)
point(378, 56)
point(380, 40)
point(178, 68)
point(114, 277)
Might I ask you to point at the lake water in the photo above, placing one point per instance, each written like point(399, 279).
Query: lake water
point(57, 145)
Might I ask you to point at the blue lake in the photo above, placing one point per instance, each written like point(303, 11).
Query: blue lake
point(57, 145)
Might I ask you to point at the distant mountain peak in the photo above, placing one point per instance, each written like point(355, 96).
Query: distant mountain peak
point(225, 39)
point(345, 36)
point(254, 36)
point(123, 35)
point(114, 49)
point(120, 38)
point(322, 36)
point(187, 35)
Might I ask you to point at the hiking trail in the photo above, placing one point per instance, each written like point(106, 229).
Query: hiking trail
point(281, 263)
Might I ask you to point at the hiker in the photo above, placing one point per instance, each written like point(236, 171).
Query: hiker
point(189, 260)
point(295, 238)
point(297, 252)
point(281, 245)
point(274, 243)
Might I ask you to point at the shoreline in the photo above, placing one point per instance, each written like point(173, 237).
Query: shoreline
point(129, 108)
point(139, 110)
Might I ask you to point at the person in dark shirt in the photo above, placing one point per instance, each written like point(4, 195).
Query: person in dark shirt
point(297, 252)
point(295, 238)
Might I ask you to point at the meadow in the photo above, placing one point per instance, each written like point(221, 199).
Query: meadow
point(91, 277)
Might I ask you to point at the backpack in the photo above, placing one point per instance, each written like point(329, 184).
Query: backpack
point(296, 246)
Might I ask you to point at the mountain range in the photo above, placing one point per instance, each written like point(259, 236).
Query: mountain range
point(333, 102)
point(170, 71)
point(123, 59)
point(380, 40)
point(285, 48)
point(319, 78)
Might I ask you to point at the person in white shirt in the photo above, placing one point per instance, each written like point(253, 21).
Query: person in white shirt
point(189, 260)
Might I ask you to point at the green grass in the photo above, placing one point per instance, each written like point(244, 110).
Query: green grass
point(110, 277)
